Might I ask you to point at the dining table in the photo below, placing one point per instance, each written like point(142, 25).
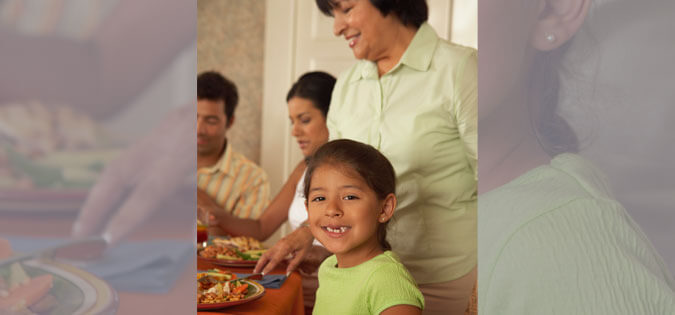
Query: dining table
point(182, 296)
point(287, 299)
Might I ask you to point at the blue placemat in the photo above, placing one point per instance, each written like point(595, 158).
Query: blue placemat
point(268, 281)
point(136, 266)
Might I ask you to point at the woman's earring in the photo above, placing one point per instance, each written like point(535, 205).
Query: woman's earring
point(550, 38)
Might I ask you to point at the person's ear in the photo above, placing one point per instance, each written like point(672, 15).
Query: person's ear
point(388, 207)
point(230, 122)
point(558, 21)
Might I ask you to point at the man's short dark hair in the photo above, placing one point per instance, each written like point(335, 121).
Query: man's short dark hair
point(410, 12)
point(214, 86)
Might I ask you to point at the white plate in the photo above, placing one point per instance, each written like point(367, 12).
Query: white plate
point(76, 291)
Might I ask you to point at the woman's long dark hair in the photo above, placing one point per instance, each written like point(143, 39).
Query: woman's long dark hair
point(316, 86)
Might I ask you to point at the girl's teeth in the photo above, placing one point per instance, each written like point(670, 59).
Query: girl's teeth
point(338, 230)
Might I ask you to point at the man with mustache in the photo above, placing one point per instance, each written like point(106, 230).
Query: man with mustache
point(227, 181)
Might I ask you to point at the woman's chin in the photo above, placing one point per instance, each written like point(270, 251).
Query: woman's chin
point(359, 56)
point(308, 152)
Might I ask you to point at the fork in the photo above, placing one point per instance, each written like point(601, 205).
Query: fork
point(254, 276)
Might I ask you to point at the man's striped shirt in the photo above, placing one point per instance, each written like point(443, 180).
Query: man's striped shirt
point(237, 184)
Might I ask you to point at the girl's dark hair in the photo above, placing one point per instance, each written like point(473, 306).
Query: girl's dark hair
point(410, 12)
point(315, 86)
point(553, 133)
point(370, 164)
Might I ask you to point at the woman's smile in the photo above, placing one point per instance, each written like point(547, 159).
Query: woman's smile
point(353, 39)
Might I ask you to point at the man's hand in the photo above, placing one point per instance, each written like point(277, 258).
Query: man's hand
point(214, 211)
point(295, 245)
point(205, 202)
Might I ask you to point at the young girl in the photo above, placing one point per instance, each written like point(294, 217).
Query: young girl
point(349, 190)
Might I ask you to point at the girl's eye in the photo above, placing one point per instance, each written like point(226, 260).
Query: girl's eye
point(317, 199)
point(351, 197)
point(306, 121)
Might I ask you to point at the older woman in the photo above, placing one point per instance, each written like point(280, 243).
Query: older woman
point(553, 240)
point(411, 95)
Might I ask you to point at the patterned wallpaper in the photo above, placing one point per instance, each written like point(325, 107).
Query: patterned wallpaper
point(230, 39)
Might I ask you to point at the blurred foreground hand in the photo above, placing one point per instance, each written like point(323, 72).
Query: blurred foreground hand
point(135, 185)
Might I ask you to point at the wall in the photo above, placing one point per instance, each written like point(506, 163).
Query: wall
point(230, 40)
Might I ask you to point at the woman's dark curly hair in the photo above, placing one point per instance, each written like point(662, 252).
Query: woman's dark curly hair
point(410, 12)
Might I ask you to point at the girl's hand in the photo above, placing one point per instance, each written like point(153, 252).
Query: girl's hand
point(296, 245)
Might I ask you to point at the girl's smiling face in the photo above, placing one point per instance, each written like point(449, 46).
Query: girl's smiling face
point(344, 214)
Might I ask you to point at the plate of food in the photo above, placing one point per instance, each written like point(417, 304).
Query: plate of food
point(218, 289)
point(42, 200)
point(49, 165)
point(239, 251)
point(58, 182)
point(45, 287)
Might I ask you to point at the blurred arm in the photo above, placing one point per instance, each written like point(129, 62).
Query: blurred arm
point(134, 44)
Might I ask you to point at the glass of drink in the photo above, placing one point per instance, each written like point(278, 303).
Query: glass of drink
point(202, 227)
